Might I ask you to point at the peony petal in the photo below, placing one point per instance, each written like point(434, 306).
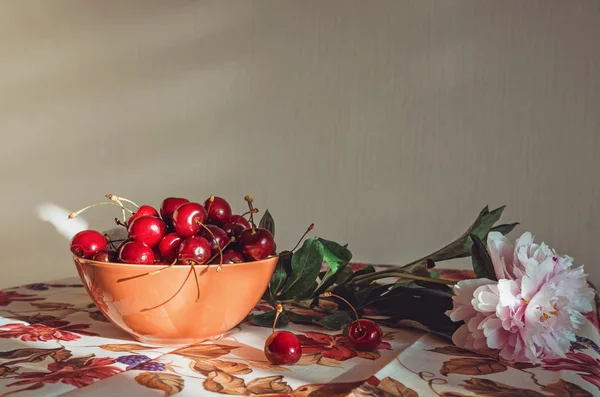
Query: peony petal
point(501, 253)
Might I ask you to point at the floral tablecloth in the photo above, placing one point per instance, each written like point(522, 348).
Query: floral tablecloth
point(55, 342)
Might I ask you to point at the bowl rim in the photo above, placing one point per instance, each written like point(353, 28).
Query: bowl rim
point(92, 262)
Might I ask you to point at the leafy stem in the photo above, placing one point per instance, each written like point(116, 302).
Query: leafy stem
point(367, 278)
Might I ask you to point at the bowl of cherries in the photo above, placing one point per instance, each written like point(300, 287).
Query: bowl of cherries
point(184, 273)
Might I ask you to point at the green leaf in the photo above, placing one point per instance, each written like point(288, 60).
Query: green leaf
point(336, 257)
point(278, 279)
point(267, 222)
point(306, 264)
point(482, 264)
point(335, 253)
point(282, 272)
point(434, 275)
point(343, 274)
point(461, 248)
point(267, 319)
point(504, 229)
point(365, 270)
point(336, 321)
point(301, 318)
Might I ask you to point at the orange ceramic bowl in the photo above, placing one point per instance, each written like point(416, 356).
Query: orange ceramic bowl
point(226, 298)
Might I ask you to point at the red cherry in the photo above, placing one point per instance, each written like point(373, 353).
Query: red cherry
point(106, 255)
point(283, 348)
point(87, 243)
point(169, 205)
point(144, 210)
point(219, 212)
point(365, 335)
point(220, 238)
point(229, 257)
point(256, 244)
point(187, 219)
point(135, 252)
point(168, 246)
point(240, 220)
point(148, 230)
point(194, 249)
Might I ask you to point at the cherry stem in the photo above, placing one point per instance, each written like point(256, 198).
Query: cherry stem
point(75, 214)
point(109, 241)
point(114, 197)
point(219, 268)
point(279, 309)
point(367, 278)
point(197, 282)
point(329, 294)
point(119, 223)
point(174, 295)
point(152, 273)
point(312, 225)
point(249, 200)
point(211, 199)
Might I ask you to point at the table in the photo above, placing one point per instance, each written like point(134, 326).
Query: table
point(55, 342)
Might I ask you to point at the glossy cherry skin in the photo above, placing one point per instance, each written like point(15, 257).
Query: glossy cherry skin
point(256, 244)
point(106, 255)
point(219, 212)
point(135, 252)
point(168, 246)
point(283, 348)
point(240, 220)
point(148, 230)
point(187, 218)
point(144, 210)
point(233, 230)
point(220, 237)
point(87, 243)
point(365, 335)
point(169, 205)
point(195, 250)
point(229, 257)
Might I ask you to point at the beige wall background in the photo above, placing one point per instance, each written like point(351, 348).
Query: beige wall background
point(389, 124)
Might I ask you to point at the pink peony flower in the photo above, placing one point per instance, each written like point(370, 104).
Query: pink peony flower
point(534, 308)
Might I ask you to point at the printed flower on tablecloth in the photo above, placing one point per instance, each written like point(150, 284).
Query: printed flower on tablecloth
point(45, 331)
point(335, 347)
point(587, 367)
point(7, 297)
point(78, 372)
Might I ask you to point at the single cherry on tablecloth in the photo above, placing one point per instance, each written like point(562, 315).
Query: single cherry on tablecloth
point(282, 347)
point(363, 334)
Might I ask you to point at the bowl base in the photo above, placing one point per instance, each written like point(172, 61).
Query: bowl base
point(173, 342)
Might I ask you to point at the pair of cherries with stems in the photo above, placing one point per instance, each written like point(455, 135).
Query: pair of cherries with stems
point(283, 347)
point(184, 232)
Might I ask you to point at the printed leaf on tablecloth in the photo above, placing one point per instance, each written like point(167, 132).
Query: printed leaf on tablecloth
point(220, 382)
point(205, 367)
point(269, 385)
point(455, 351)
point(567, 389)
point(125, 347)
point(472, 366)
point(98, 316)
point(489, 388)
point(52, 305)
point(267, 365)
point(396, 388)
point(170, 384)
point(203, 351)
point(32, 355)
point(6, 370)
